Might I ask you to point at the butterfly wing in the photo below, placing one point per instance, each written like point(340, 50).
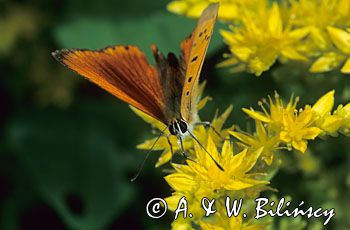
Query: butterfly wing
point(194, 49)
point(123, 71)
point(172, 78)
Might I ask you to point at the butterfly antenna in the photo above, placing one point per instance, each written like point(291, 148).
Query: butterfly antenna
point(217, 164)
point(146, 157)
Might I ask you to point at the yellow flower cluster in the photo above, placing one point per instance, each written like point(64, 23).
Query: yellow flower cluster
point(246, 161)
point(293, 127)
point(202, 178)
point(315, 32)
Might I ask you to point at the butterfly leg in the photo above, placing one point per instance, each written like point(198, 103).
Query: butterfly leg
point(208, 124)
point(179, 140)
point(181, 146)
point(171, 147)
point(180, 143)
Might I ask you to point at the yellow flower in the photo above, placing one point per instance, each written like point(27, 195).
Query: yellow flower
point(341, 39)
point(222, 222)
point(323, 118)
point(298, 128)
point(260, 140)
point(273, 117)
point(293, 127)
point(344, 113)
point(204, 172)
point(328, 61)
point(261, 32)
point(333, 59)
point(262, 39)
point(307, 13)
point(324, 32)
point(181, 224)
point(329, 124)
point(202, 178)
point(324, 105)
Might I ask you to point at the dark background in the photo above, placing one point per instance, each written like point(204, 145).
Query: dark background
point(67, 148)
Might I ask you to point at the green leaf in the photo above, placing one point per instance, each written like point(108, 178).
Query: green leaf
point(74, 154)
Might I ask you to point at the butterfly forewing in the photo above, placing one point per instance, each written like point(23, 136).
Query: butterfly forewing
point(194, 49)
point(124, 72)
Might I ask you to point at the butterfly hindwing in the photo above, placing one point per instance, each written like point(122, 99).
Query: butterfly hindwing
point(172, 80)
point(194, 49)
point(124, 72)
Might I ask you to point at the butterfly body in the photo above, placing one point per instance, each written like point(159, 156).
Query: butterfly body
point(167, 92)
point(173, 76)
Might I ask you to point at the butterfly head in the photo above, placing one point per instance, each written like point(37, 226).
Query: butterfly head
point(178, 127)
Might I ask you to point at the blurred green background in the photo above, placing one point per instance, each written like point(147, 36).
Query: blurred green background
point(67, 148)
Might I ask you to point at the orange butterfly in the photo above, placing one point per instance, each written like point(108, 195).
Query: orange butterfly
point(167, 92)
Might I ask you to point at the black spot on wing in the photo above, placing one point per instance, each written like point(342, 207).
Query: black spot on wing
point(194, 59)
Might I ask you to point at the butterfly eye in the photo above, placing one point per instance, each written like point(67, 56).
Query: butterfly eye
point(183, 126)
point(172, 129)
